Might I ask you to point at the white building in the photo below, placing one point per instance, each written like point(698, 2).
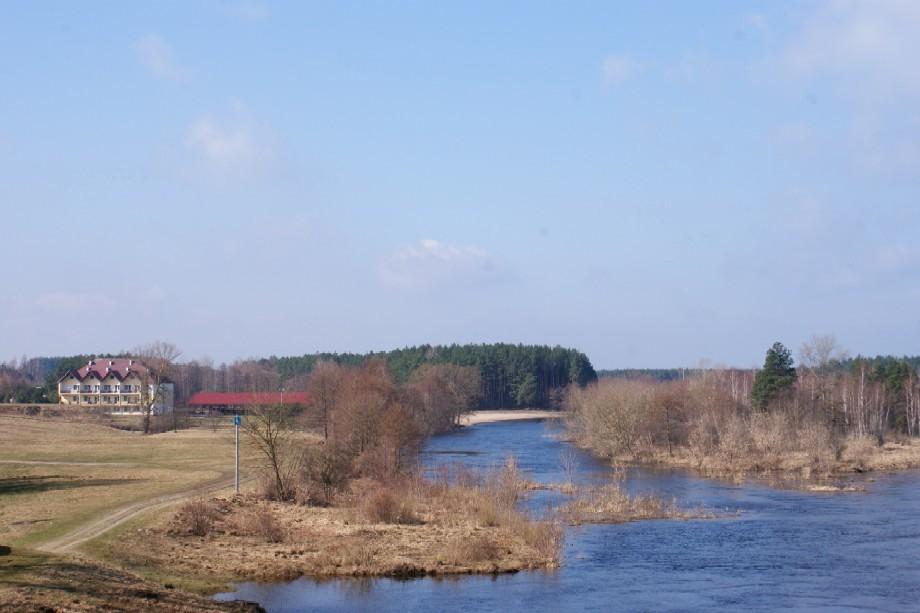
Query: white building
point(115, 385)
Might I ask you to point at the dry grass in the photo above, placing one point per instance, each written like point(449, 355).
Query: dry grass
point(380, 505)
point(410, 527)
point(610, 504)
point(31, 582)
point(197, 517)
point(56, 475)
point(467, 551)
point(261, 522)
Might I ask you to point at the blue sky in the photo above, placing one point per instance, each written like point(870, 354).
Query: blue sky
point(656, 185)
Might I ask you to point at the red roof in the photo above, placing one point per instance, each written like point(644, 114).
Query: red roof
point(203, 399)
point(101, 368)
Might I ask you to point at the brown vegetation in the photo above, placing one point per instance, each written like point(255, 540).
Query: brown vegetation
point(611, 504)
point(461, 522)
point(818, 429)
point(33, 582)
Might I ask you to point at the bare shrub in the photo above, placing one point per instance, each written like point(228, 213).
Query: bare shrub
point(568, 460)
point(261, 522)
point(734, 441)
point(470, 550)
point(325, 473)
point(816, 440)
point(546, 537)
point(704, 436)
point(382, 506)
point(607, 417)
point(859, 450)
point(197, 517)
point(769, 435)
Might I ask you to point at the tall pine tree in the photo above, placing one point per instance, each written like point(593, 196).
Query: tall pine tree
point(777, 376)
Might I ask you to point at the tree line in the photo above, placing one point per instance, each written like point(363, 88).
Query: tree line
point(510, 376)
point(725, 416)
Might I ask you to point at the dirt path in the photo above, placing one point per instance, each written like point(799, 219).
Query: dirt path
point(104, 523)
point(55, 463)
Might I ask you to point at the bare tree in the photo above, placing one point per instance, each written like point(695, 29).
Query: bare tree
point(158, 359)
point(270, 429)
point(324, 384)
point(568, 460)
point(820, 351)
point(442, 393)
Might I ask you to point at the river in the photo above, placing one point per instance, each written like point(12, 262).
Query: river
point(772, 549)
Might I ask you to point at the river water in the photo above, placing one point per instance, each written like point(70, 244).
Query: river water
point(773, 549)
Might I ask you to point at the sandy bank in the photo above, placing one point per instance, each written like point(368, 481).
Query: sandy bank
point(487, 417)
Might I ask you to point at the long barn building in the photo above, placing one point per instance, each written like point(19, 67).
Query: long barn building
point(239, 402)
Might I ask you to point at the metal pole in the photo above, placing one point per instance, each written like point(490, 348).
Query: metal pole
point(236, 423)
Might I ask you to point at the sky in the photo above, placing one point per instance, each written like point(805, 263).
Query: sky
point(656, 184)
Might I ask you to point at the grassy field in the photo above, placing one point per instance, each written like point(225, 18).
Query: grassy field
point(64, 482)
point(57, 475)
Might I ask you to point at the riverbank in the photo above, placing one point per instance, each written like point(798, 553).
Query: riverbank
point(406, 530)
point(807, 471)
point(492, 416)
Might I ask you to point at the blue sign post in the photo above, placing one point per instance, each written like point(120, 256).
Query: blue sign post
point(237, 421)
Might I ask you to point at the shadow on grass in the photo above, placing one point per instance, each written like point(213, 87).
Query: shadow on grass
point(28, 569)
point(34, 581)
point(34, 485)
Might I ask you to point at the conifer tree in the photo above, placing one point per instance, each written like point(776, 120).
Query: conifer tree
point(777, 376)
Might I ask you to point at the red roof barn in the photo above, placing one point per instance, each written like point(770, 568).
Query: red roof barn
point(241, 400)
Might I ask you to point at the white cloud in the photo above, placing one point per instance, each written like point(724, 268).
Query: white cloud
point(617, 69)
point(431, 263)
point(157, 56)
point(235, 145)
point(874, 45)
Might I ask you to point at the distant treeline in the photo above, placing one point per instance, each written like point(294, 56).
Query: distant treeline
point(880, 365)
point(512, 375)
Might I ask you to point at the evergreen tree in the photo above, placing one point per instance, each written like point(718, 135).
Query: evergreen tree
point(777, 376)
point(527, 391)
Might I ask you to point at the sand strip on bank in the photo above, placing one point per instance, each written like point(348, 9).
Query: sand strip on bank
point(487, 417)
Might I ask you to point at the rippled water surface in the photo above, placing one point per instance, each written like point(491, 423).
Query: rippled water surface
point(783, 550)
